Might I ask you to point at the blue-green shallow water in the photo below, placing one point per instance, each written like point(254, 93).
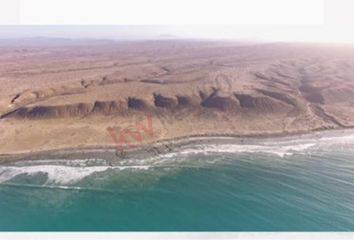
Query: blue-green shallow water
point(306, 188)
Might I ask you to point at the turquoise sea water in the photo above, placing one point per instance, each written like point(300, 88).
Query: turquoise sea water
point(285, 185)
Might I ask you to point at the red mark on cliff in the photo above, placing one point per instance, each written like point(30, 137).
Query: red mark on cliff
point(131, 135)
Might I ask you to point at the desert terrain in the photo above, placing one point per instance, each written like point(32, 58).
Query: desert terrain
point(58, 94)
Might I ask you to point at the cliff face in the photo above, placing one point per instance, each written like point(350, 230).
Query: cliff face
point(44, 112)
point(259, 104)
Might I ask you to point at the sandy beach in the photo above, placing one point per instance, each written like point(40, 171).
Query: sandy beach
point(154, 149)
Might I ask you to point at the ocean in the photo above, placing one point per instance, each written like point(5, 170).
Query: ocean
point(283, 184)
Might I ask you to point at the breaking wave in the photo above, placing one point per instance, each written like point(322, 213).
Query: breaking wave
point(66, 172)
point(57, 174)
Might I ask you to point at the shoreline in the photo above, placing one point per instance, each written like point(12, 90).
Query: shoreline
point(162, 146)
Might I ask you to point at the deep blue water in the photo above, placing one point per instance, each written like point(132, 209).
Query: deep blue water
point(292, 185)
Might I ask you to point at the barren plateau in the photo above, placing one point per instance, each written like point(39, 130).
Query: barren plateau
point(67, 95)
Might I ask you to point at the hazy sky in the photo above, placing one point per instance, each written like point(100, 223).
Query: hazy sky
point(287, 20)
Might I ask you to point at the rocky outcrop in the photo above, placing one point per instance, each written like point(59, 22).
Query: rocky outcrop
point(220, 103)
point(185, 101)
point(107, 107)
point(286, 98)
point(261, 104)
point(270, 102)
point(164, 102)
point(45, 112)
point(311, 94)
point(136, 103)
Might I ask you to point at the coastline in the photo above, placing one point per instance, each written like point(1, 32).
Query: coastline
point(162, 98)
point(162, 146)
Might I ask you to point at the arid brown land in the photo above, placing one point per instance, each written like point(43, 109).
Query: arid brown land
point(66, 93)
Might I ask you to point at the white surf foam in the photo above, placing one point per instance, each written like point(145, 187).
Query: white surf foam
point(56, 173)
point(232, 148)
point(277, 147)
point(71, 171)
